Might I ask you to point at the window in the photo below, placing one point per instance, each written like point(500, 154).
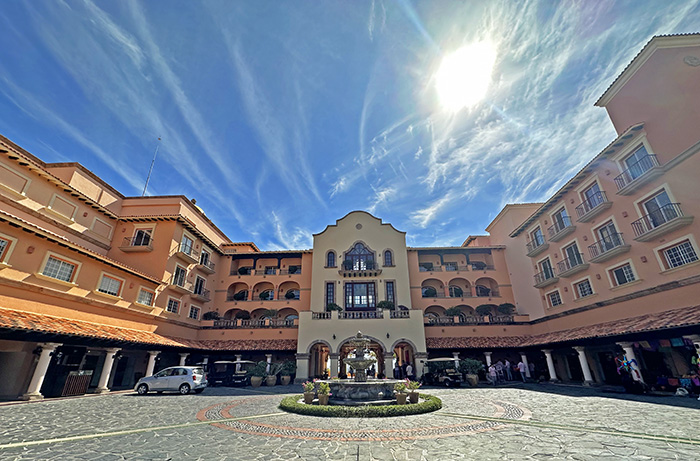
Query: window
point(186, 245)
point(388, 258)
point(561, 220)
point(110, 285)
point(359, 258)
point(425, 267)
point(390, 294)
point(330, 293)
point(199, 285)
point(592, 197)
point(637, 163)
point(194, 312)
point(572, 256)
point(179, 276)
point(554, 299)
point(659, 210)
point(292, 294)
point(622, 275)
point(173, 305)
point(537, 238)
point(359, 296)
point(450, 266)
point(59, 269)
point(546, 269)
point(142, 237)
point(583, 289)
point(4, 248)
point(330, 259)
point(204, 258)
point(680, 255)
point(270, 270)
point(145, 297)
point(456, 292)
point(267, 295)
point(609, 238)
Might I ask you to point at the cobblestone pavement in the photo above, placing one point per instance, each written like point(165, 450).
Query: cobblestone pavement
point(510, 422)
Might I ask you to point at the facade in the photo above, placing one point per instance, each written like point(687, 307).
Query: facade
point(98, 289)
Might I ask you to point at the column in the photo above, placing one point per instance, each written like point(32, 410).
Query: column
point(488, 358)
point(334, 364)
point(628, 347)
point(269, 362)
point(587, 376)
point(455, 355)
point(523, 358)
point(106, 371)
point(183, 357)
point(302, 367)
point(239, 357)
point(389, 365)
point(42, 366)
point(205, 360)
point(151, 362)
point(550, 365)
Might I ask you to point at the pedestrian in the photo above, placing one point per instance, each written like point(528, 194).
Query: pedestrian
point(522, 368)
point(509, 370)
point(397, 371)
point(409, 371)
point(499, 371)
point(492, 375)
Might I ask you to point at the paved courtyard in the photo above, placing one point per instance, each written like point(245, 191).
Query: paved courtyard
point(510, 422)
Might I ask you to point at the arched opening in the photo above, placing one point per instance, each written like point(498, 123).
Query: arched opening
point(288, 315)
point(487, 287)
point(404, 354)
point(232, 314)
point(432, 288)
point(388, 258)
point(466, 314)
point(289, 290)
point(237, 292)
point(376, 350)
point(260, 314)
point(359, 258)
point(330, 259)
point(263, 291)
point(319, 362)
point(432, 314)
point(460, 288)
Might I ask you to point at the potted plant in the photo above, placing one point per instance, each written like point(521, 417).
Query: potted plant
point(211, 315)
point(484, 309)
point(400, 391)
point(271, 376)
point(333, 307)
point(506, 309)
point(257, 373)
point(308, 392)
point(471, 368)
point(287, 369)
point(412, 387)
point(324, 393)
point(386, 305)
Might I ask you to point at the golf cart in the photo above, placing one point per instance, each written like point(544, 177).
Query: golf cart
point(442, 372)
point(229, 373)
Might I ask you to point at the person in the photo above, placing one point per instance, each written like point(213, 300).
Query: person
point(499, 371)
point(409, 371)
point(509, 371)
point(522, 368)
point(492, 374)
point(397, 371)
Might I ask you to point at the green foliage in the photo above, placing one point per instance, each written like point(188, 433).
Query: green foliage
point(265, 295)
point(438, 367)
point(290, 294)
point(240, 296)
point(259, 369)
point(211, 315)
point(453, 311)
point(324, 389)
point(308, 386)
point(400, 387)
point(333, 307)
point(429, 292)
point(387, 305)
point(485, 309)
point(470, 366)
point(243, 315)
point(274, 369)
point(288, 368)
point(428, 404)
point(272, 313)
point(244, 270)
point(412, 385)
point(506, 309)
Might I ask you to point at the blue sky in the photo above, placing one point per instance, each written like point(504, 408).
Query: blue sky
point(281, 117)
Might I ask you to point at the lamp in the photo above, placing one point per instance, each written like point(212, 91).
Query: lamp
point(387, 335)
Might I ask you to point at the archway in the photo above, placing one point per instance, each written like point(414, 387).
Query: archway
point(319, 362)
point(404, 353)
point(376, 350)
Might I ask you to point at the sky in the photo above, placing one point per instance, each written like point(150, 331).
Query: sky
point(281, 117)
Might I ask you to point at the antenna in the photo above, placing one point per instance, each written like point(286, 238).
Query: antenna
point(150, 170)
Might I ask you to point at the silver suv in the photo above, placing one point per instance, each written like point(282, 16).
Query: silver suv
point(180, 379)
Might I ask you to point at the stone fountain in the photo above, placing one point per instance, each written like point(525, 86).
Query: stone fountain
point(362, 360)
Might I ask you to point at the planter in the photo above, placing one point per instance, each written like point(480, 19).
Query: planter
point(308, 398)
point(256, 381)
point(413, 397)
point(323, 399)
point(401, 399)
point(473, 380)
point(271, 380)
point(285, 379)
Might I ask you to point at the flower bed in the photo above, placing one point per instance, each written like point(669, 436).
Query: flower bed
point(427, 404)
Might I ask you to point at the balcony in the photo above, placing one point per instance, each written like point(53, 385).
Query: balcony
point(481, 266)
point(592, 207)
point(571, 266)
point(544, 278)
point(560, 229)
point(268, 323)
point(470, 320)
point(320, 315)
point(665, 219)
point(607, 248)
point(638, 174)
point(186, 253)
point(296, 271)
point(400, 314)
point(456, 268)
point(359, 315)
point(537, 246)
point(136, 244)
point(206, 267)
point(423, 267)
point(359, 269)
point(180, 285)
point(202, 295)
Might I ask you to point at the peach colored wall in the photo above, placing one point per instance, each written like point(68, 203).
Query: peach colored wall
point(244, 333)
point(77, 177)
point(480, 331)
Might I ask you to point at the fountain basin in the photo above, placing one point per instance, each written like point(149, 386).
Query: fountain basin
point(371, 392)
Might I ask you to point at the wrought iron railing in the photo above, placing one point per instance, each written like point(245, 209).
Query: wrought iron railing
point(138, 241)
point(559, 226)
point(543, 276)
point(657, 218)
point(591, 203)
point(534, 244)
point(636, 170)
point(570, 263)
point(606, 244)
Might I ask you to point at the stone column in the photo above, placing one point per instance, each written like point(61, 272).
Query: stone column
point(523, 358)
point(205, 360)
point(628, 347)
point(456, 358)
point(550, 365)
point(33, 391)
point(106, 371)
point(488, 358)
point(334, 364)
point(239, 357)
point(151, 362)
point(302, 367)
point(183, 357)
point(269, 362)
point(587, 377)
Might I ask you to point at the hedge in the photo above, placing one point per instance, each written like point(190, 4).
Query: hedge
point(429, 403)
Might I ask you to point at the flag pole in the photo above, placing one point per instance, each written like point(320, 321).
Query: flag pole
point(150, 170)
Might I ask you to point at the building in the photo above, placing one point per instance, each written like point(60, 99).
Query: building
point(98, 289)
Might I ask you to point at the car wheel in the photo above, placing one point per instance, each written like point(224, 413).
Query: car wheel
point(185, 389)
point(198, 391)
point(142, 389)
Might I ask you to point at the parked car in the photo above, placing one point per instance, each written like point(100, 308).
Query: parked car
point(179, 379)
point(442, 373)
point(223, 373)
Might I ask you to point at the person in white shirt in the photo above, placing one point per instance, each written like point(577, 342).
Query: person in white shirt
point(522, 368)
point(409, 372)
point(509, 370)
point(492, 375)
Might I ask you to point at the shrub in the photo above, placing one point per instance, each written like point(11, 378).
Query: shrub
point(453, 311)
point(240, 296)
point(259, 369)
point(412, 385)
point(470, 366)
point(333, 307)
point(506, 309)
point(429, 403)
point(243, 315)
point(244, 270)
point(288, 368)
point(274, 369)
point(429, 292)
point(400, 387)
point(265, 295)
point(485, 309)
point(272, 313)
point(290, 294)
point(324, 389)
point(388, 305)
point(211, 315)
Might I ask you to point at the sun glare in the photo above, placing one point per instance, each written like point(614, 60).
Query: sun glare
point(464, 76)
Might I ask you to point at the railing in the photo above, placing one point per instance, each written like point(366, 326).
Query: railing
point(437, 294)
point(593, 202)
point(502, 319)
point(559, 226)
point(350, 265)
point(290, 272)
point(482, 267)
point(209, 265)
point(186, 249)
point(636, 170)
point(179, 281)
point(604, 245)
point(471, 320)
point(456, 268)
point(429, 268)
point(361, 315)
point(138, 241)
point(543, 276)
point(657, 218)
point(570, 263)
point(320, 315)
point(532, 245)
point(246, 271)
point(269, 271)
point(236, 297)
point(400, 314)
point(264, 298)
point(202, 293)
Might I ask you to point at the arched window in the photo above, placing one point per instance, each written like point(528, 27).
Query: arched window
point(268, 295)
point(456, 292)
point(388, 258)
point(359, 258)
point(330, 259)
point(292, 294)
point(429, 292)
point(241, 295)
point(482, 290)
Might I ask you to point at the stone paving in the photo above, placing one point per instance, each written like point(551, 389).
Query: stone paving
point(511, 422)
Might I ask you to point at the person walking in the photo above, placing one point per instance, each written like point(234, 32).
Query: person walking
point(509, 370)
point(522, 368)
point(409, 371)
point(499, 371)
point(493, 377)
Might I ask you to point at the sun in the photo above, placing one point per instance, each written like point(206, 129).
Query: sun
point(464, 76)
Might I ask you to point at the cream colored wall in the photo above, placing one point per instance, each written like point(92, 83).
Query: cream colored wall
point(340, 238)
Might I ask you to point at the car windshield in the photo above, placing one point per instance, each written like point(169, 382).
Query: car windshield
point(198, 371)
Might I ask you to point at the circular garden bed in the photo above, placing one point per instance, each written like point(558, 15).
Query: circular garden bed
point(426, 404)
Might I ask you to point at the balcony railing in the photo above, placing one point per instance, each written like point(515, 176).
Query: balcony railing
point(429, 268)
point(290, 271)
point(431, 294)
point(536, 246)
point(560, 228)
point(400, 314)
point(544, 276)
point(605, 245)
point(657, 218)
point(635, 171)
point(570, 263)
point(202, 294)
point(138, 243)
point(356, 315)
point(594, 203)
point(208, 266)
point(258, 323)
point(181, 283)
point(320, 315)
point(359, 265)
point(470, 320)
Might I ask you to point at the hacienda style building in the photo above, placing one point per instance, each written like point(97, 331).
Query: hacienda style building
point(98, 289)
